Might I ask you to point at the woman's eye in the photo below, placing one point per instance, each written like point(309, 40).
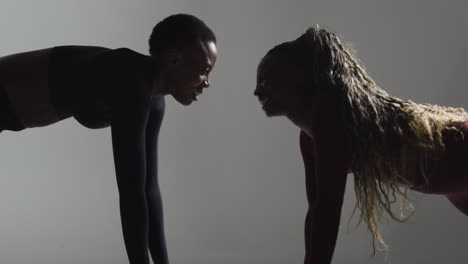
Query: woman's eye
point(205, 72)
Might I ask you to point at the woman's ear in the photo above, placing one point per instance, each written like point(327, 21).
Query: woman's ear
point(173, 57)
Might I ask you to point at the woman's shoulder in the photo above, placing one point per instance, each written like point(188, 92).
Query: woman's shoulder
point(130, 65)
point(125, 56)
point(126, 74)
point(456, 132)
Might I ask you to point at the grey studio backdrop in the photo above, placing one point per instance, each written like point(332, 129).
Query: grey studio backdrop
point(232, 180)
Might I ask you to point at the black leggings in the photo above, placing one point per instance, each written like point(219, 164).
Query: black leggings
point(8, 120)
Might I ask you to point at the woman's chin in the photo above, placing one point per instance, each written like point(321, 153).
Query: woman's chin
point(270, 112)
point(186, 101)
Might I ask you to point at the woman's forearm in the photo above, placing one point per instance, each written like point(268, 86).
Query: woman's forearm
point(134, 215)
point(156, 239)
point(321, 231)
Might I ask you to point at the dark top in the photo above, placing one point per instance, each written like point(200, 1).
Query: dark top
point(101, 87)
point(87, 82)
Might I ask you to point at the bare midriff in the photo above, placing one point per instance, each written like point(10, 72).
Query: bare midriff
point(25, 78)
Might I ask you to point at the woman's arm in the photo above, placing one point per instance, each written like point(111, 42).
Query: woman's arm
point(128, 139)
point(326, 170)
point(157, 241)
point(308, 155)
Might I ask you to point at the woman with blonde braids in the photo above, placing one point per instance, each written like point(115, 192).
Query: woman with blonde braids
point(350, 125)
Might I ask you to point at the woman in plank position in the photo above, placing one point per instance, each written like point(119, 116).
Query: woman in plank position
point(125, 90)
point(350, 125)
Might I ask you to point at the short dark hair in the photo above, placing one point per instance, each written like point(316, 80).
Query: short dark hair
point(179, 31)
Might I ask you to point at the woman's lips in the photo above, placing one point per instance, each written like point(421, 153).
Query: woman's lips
point(196, 94)
point(263, 100)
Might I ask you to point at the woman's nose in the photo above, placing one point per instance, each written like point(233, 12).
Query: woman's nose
point(206, 83)
point(257, 90)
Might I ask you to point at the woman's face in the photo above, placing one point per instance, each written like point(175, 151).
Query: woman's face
point(188, 71)
point(280, 86)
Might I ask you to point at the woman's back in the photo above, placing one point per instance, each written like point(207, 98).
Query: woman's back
point(45, 86)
